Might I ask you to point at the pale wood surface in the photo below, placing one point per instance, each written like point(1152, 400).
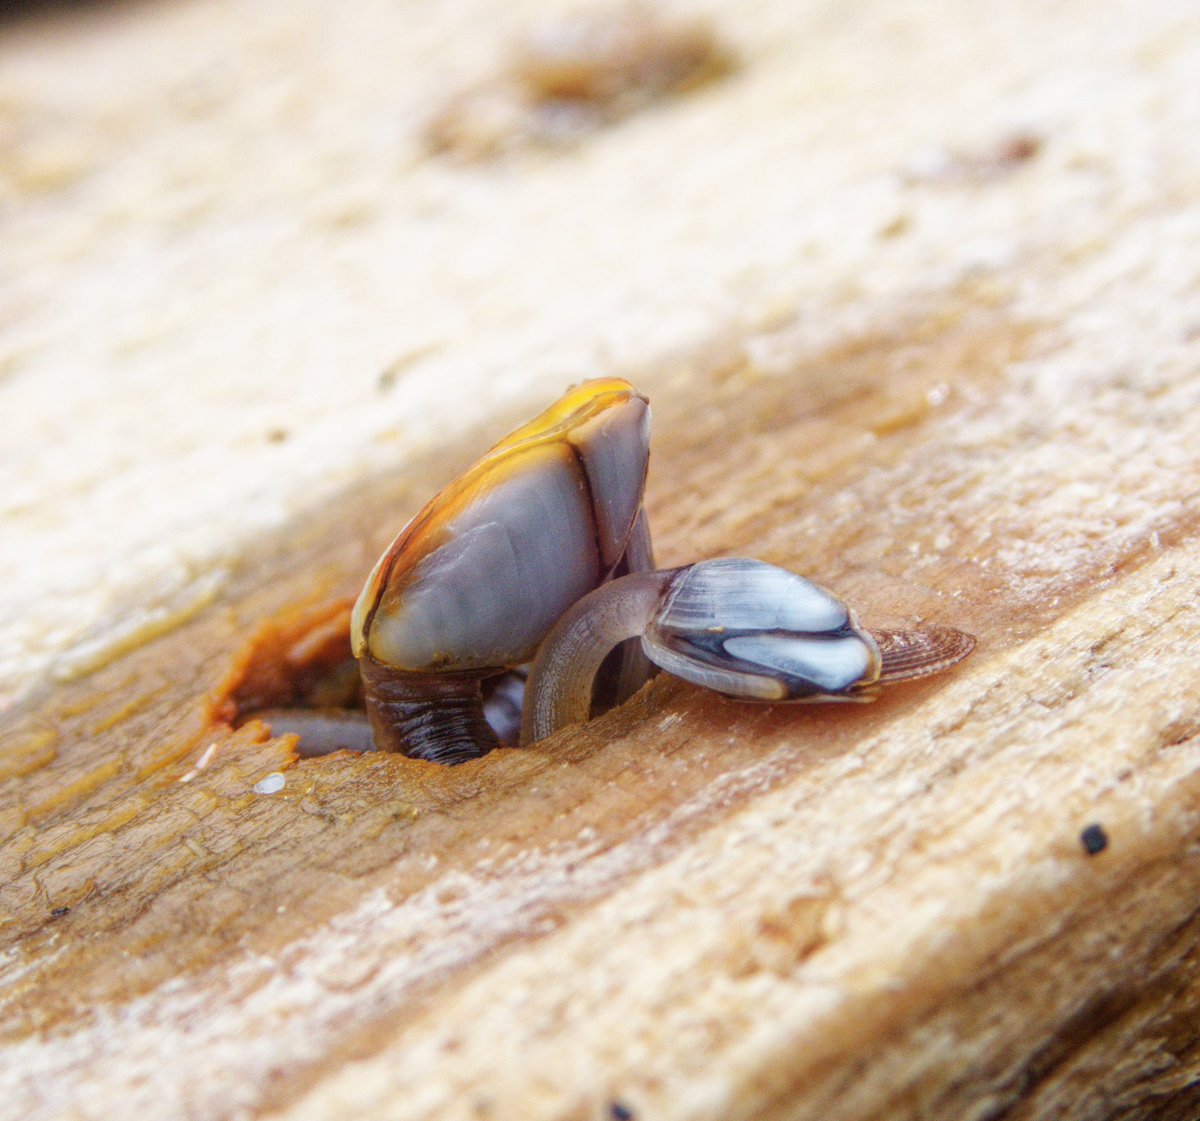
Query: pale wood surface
point(914, 292)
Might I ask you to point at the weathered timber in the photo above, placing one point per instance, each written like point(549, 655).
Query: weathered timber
point(959, 384)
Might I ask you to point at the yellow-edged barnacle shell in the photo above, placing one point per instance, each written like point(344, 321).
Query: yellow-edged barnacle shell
point(478, 577)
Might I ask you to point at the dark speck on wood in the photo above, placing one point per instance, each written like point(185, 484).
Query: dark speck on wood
point(1093, 839)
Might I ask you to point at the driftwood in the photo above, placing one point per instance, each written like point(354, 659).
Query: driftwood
point(957, 383)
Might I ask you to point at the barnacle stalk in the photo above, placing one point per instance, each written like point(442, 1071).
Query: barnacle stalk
point(425, 716)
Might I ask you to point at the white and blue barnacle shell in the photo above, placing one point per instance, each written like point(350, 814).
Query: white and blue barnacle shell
point(498, 581)
point(747, 629)
point(477, 578)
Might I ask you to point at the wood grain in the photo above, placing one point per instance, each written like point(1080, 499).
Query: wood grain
point(689, 908)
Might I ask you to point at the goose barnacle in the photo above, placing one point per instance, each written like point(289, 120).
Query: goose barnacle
point(740, 627)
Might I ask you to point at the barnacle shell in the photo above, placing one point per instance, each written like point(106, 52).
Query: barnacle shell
point(748, 629)
point(478, 577)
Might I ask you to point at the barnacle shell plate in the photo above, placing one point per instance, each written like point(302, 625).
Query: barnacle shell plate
point(748, 629)
point(476, 579)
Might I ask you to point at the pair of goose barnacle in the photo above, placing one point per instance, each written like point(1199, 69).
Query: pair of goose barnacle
point(540, 553)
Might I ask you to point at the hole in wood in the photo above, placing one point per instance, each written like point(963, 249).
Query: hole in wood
point(297, 661)
point(297, 675)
